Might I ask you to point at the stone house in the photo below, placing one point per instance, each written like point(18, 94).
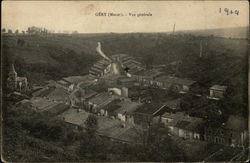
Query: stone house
point(183, 125)
point(233, 132)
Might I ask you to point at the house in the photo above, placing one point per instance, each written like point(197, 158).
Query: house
point(183, 125)
point(147, 77)
point(126, 81)
point(118, 61)
point(109, 109)
point(147, 114)
point(100, 68)
point(95, 103)
point(178, 85)
point(109, 79)
point(126, 110)
point(234, 132)
point(72, 82)
point(79, 97)
point(119, 90)
point(66, 85)
point(130, 62)
point(59, 95)
point(112, 129)
point(217, 91)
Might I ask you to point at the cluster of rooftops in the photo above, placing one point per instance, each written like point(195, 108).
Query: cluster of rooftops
point(101, 66)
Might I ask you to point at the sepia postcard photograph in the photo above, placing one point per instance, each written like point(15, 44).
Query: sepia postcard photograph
point(124, 81)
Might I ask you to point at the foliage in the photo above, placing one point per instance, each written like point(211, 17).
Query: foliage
point(91, 125)
point(160, 147)
point(30, 136)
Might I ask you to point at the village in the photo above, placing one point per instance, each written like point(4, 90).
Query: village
point(127, 98)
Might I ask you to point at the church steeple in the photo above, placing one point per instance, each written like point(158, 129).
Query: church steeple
point(12, 69)
point(12, 77)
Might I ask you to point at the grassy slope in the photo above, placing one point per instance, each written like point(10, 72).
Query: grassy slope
point(55, 50)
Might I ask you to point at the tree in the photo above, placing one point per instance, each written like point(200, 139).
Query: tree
point(91, 125)
point(75, 32)
point(9, 31)
point(3, 30)
point(90, 143)
point(20, 42)
point(159, 146)
point(17, 31)
point(29, 30)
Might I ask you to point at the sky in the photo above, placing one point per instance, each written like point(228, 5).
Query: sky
point(81, 15)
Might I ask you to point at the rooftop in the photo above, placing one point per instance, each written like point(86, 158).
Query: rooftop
point(73, 116)
point(149, 73)
point(41, 104)
point(98, 70)
point(103, 99)
point(127, 106)
point(172, 103)
point(89, 93)
point(107, 127)
point(76, 79)
point(112, 107)
point(85, 84)
point(219, 87)
point(151, 108)
point(175, 80)
point(58, 94)
point(126, 79)
point(183, 121)
point(43, 92)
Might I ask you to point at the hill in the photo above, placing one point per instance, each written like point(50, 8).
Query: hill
point(54, 56)
point(235, 32)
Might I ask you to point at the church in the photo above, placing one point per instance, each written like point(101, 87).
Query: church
point(15, 82)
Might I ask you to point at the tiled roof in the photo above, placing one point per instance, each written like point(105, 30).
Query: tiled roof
point(182, 121)
point(103, 99)
point(58, 94)
point(151, 108)
point(76, 79)
point(219, 87)
point(127, 106)
point(94, 72)
point(96, 69)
